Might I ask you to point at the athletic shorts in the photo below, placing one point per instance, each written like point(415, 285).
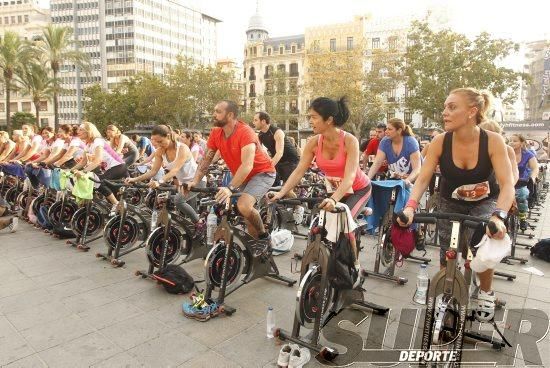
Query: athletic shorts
point(258, 185)
point(484, 208)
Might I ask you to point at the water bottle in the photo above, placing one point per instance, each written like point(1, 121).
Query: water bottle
point(422, 283)
point(298, 215)
point(154, 217)
point(270, 322)
point(211, 225)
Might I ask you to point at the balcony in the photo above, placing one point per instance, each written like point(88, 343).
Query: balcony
point(293, 74)
point(252, 94)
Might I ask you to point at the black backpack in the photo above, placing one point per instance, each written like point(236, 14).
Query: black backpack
point(175, 279)
point(542, 249)
point(341, 270)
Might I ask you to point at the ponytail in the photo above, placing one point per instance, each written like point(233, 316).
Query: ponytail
point(165, 131)
point(406, 130)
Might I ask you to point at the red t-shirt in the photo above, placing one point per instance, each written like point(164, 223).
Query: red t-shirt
point(230, 149)
point(372, 149)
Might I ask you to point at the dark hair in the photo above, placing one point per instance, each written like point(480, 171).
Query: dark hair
point(264, 116)
point(74, 130)
point(231, 107)
point(47, 129)
point(399, 124)
point(164, 131)
point(134, 137)
point(66, 128)
point(327, 107)
point(189, 136)
point(381, 126)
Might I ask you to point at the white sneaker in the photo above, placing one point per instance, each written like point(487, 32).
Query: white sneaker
point(12, 227)
point(284, 354)
point(484, 306)
point(299, 357)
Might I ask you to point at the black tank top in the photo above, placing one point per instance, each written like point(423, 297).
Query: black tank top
point(467, 185)
point(290, 154)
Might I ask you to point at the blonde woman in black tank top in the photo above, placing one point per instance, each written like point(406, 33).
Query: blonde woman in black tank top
point(477, 160)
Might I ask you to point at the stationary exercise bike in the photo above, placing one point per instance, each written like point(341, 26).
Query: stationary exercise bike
point(448, 297)
point(321, 297)
point(231, 262)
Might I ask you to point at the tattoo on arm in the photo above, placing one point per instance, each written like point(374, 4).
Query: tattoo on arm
point(202, 170)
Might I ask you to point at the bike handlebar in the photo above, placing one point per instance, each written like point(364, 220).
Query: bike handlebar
point(431, 218)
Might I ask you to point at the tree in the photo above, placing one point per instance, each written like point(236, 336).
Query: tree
point(342, 73)
point(36, 82)
point(438, 62)
point(280, 98)
point(58, 47)
point(20, 118)
point(14, 53)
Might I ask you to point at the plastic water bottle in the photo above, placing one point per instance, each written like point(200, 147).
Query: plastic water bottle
point(270, 322)
point(154, 217)
point(422, 283)
point(298, 215)
point(211, 225)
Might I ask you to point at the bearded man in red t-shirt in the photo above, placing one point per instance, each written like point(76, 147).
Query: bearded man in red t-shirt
point(253, 172)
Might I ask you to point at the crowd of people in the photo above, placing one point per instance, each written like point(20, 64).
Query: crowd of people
point(481, 173)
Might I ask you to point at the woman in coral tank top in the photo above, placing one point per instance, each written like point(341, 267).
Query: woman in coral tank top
point(337, 155)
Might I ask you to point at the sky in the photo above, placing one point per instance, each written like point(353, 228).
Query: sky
point(517, 20)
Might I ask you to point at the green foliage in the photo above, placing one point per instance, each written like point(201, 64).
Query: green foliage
point(20, 118)
point(183, 98)
point(438, 62)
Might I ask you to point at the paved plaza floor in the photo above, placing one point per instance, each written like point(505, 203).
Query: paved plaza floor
point(60, 307)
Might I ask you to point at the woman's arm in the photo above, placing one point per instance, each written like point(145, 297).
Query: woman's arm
point(98, 157)
point(56, 153)
point(66, 156)
point(82, 162)
point(182, 155)
point(534, 166)
point(7, 152)
point(157, 163)
point(416, 164)
point(303, 166)
point(121, 141)
point(378, 161)
point(513, 164)
point(30, 152)
point(195, 154)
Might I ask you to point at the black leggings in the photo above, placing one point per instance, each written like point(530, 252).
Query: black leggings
point(114, 173)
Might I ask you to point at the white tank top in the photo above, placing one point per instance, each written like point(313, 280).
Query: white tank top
point(187, 172)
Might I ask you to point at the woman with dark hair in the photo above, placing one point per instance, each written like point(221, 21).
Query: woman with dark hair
point(189, 139)
point(178, 163)
point(337, 155)
point(401, 150)
point(73, 146)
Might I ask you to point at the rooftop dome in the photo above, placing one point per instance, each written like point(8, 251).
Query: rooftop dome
point(256, 22)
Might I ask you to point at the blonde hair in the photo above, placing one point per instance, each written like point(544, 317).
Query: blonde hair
point(400, 124)
point(91, 129)
point(18, 132)
point(479, 99)
point(491, 126)
point(4, 135)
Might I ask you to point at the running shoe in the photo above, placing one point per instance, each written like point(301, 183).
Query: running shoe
point(523, 224)
point(284, 355)
point(200, 309)
point(483, 305)
point(262, 247)
point(299, 357)
point(12, 227)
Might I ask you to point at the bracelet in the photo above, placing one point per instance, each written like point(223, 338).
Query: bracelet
point(412, 203)
point(334, 200)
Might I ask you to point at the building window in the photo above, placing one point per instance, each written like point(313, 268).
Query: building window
point(252, 73)
point(43, 105)
point(333, 44)
point(391, 95)
point(269, 50)
point(26, 18)
point(390, 114)
point(268, 72)
point(281, 50)
point(2, 107)
point(281, 68)
point(392, 43)
point(293, 49)
point(376, 43)
point(408, 117)
point(316, 45)
point(26, 106)
point(293, 70)
point(350, 43)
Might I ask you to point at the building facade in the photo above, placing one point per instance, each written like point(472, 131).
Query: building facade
point(236, 71)
point(273, 73)
point(125, 37)
point(26, 18)
point(537, 93)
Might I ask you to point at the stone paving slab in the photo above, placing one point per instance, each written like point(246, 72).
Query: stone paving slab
point(63, 308)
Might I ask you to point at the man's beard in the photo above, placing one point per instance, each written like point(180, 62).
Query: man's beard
point(219, 123)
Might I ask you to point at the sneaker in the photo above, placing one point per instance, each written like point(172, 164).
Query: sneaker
point(299, 357)
point(284, 355)
point(262, 247)
point(523, 224)
point(201, 310)
point(12, 227)
point(484, 306)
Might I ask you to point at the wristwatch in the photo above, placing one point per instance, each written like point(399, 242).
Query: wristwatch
point(161, 181)
point(231, 188)
point(503, 215)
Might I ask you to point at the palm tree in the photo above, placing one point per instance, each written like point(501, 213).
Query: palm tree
point(58, 47)
point(14, 52)
point(36, 82)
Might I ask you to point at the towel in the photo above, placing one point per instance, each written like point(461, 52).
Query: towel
point(380, 199)
point(335, 223)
